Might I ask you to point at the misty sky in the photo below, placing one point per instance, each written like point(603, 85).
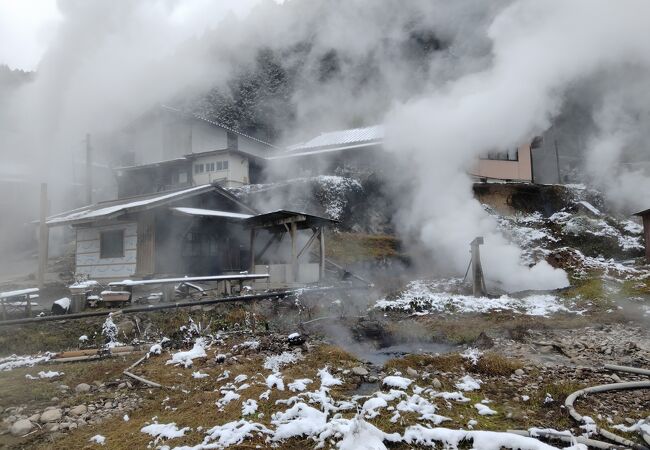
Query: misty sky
point(26, 26)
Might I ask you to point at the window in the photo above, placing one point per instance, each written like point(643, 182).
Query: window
point(198, 168)
point(219, 165)
point(225, 165)
point(199, 244)
point(209, 167)
point(111, 244)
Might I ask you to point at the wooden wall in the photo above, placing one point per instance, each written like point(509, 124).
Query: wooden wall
point(88, 259)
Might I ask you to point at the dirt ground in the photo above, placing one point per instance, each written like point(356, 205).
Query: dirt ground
point(526, 368)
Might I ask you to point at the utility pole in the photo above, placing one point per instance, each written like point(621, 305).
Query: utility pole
point(557, 163)
point(477, 270)
point(43, 238)
point(89, 176)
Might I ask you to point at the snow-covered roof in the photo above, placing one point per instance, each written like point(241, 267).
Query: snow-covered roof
point(341, 138)
point(114, 208)
point(210, 213)
point(16, 293)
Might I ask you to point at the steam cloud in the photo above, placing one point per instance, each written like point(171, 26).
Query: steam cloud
point(493, 75)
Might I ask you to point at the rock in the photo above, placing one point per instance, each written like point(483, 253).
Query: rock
point(51, 415)
point(615, 377)
point(360, 371)
point(51, 427)
point(64, 425)
point(73, 426)
point(412, 372)
point(34, 417)
point(519, 372)
point(63, 387)
point(82, 388)
point(436, 384)
point(125, 328)
point(483, 341)
point(54, 399)
point(21, 427)
point(121, 385)
point(78, 410)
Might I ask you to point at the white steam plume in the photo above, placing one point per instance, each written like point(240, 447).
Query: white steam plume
point(539, 50)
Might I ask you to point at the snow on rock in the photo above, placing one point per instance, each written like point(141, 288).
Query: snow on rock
point(240, 378)
point(357, 434)
point(484, 410)
point(472, 355)
point(98, 439)
point(275, 380)
point(456, 396)
point(83, 338)
point(199, 375)
point(424, 298)
point(468, 384)
point(275, 362)
point(186, 358)
point(86, 284)
point(396, 382)
point(64, 303)
point(327, 379)
point(164, 431)
point(481, 440)
point(155, 349)
point(109, 331)
point(422, 406)
point(299, 384)
point(15, 361)
point(248, 407)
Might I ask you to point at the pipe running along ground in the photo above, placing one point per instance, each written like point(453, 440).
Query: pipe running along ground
point(605, 388)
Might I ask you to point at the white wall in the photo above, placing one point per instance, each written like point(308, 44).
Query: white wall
point(88, 259)
point(235, 175)
point(207, 137)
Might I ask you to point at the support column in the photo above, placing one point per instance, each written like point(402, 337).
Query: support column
point(321, 266)
point(251, 268)
point(294, 254)
point(477, 269)
point(43, 238)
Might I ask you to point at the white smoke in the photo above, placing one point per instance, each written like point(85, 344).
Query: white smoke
point(540, 49)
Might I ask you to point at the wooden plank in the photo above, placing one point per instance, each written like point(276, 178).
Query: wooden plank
point(146, 245)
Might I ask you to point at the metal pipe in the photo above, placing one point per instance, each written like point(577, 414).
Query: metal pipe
point(592, 443)
point(629, 369)
point(148, 308)
point(604, 388)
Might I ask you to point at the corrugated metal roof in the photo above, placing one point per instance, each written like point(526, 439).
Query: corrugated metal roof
point(374, 133)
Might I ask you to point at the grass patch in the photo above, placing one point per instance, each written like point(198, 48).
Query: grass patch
point(349, 248)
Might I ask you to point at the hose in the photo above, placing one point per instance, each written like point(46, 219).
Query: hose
point(636, 370)
point(592, 443)
point(604, 388)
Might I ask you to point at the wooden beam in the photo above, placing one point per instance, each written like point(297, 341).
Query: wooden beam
point(321, 266)
point(294, 256)
point(43, 238)
point(309, 242)
point(252, 252)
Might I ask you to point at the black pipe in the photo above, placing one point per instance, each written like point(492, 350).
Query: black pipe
point(147, 308)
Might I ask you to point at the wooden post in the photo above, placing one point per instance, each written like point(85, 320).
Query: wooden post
point(477, 270)
point(252, 249)
point(43, 237)
point(321, 266)
point(294, 254)
point(89, 170)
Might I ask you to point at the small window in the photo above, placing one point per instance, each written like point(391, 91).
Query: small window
point(219, 165)
point(198, 168)
point(209, 167)
point(225, 165)
point(182, 177)
point(111, 244)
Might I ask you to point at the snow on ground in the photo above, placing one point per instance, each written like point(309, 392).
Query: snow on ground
point(423, 297)
point(198, 375)
point(98, 439)
point(300, 384)
point(396, 382)
point(164, 431)
point(41, 375)
point(468, 384)
point(275, 381)
point(275, 362)
point(484, 410)
point(15, 361)
point(185, 358)
point(327, 379)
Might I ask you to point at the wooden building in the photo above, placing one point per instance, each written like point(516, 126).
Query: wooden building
point(195, 231)
point(645, 216)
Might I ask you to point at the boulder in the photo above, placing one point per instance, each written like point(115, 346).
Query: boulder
point(519, 372)
point(78, 410)
point(21, 427)
point(436, 384)
point(82, 388)
point(360, 371)
point(51, 415)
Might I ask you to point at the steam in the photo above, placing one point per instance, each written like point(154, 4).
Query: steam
point(483, 76)
point(539, 50)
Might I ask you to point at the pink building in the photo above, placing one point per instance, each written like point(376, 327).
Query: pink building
point(507, 166)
